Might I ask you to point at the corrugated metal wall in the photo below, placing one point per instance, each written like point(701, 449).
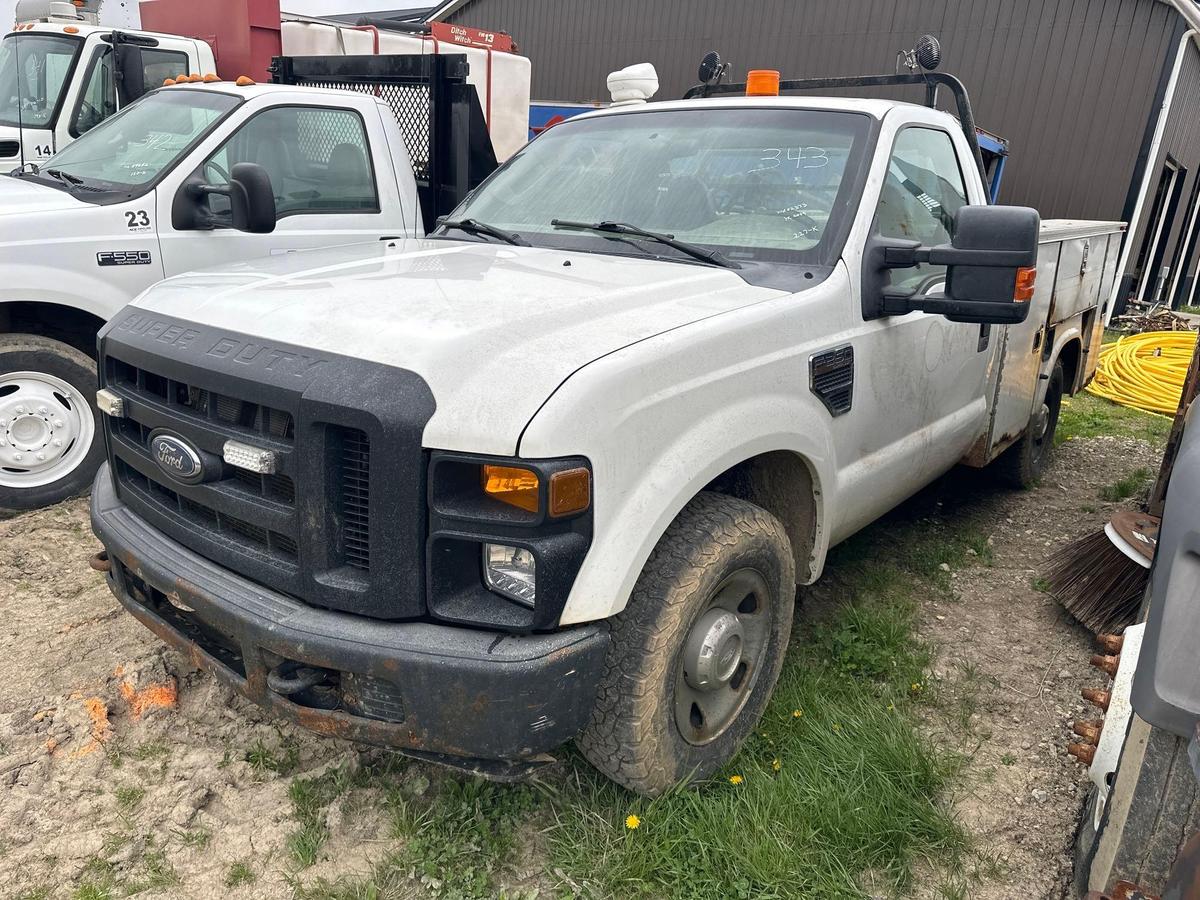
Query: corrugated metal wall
point(1070, 83)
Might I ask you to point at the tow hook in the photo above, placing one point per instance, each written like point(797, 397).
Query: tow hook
point(290, 677)
point(100, 562)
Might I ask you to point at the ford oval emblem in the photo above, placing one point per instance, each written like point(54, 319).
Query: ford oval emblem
point(177, 456)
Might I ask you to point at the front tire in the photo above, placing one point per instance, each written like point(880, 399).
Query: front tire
point(695, 655)
point(50, 442)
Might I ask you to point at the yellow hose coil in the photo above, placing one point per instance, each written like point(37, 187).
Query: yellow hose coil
point(1145, 371)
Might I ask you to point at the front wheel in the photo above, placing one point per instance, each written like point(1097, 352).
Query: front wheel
point(694, 657)
point(49, 445)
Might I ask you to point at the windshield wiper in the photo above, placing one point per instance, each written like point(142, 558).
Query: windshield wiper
point(63, 176)
point(695, 252)
point(474, 226)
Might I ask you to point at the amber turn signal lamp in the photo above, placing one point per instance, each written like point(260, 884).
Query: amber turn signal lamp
point(168, 82)
point(1026, 278)
point(71, 29)
point(508, 484)
point(762, 83)
point(244, 81)
point(570, 492)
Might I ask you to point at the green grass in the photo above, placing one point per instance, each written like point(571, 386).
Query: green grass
point(129, 797)
point(1124, 488)
point(239, 873)
point(1086, 415)
point(282, 761)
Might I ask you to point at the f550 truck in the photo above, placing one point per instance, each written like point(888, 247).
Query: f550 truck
point(556, 471)
point(155, 191)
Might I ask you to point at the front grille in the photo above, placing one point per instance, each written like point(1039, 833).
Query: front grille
point(9, 149)
point(316, 528)
point(200, 516)
point(354, 456)
point(247, 417)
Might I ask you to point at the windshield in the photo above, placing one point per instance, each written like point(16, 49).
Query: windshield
point(754, 184)
point(33, 70)
point(133, 147)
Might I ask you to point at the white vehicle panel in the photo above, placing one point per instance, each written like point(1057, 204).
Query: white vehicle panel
point(492, 329)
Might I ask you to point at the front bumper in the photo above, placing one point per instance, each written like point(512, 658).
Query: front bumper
point(431, 690)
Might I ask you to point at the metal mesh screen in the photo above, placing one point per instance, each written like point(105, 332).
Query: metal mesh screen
point(409, 104)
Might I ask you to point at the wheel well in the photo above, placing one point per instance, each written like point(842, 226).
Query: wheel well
point(72, 326)
point(782, 484)
point(1069, 357)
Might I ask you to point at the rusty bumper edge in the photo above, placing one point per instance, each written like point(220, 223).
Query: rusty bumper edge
point(471, 698)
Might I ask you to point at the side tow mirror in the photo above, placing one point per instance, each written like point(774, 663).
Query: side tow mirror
point(252, 199)
point(990, 267)
point(251, 202)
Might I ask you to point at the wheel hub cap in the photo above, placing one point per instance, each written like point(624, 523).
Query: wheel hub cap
point(1043, 422)
point(46, 429)
point(721, 655)
point(713, 650)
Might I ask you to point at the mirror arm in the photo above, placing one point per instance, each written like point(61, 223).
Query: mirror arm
point(199, 191)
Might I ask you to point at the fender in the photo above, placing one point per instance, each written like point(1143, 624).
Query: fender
point(63, 287)
point(652, 417)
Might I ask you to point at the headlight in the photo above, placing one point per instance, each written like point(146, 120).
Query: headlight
point(511, 572)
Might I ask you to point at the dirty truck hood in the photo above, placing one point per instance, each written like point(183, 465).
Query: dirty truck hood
point(493, 329)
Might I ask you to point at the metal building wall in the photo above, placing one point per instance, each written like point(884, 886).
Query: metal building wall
point(1181, 142)
point(1070, 83)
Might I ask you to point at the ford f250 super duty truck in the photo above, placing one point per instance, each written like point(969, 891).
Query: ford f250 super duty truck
point(557, 470)
point(146, 194)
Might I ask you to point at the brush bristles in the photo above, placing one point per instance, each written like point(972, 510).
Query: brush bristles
point(1097, 583)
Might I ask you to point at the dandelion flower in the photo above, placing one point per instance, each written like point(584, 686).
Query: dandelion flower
point(915, 686)
point(776, 765)
point(797, 713)
point(632, 822)
point(736, 779)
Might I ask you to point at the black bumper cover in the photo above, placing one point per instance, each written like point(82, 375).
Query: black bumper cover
point(470, 695)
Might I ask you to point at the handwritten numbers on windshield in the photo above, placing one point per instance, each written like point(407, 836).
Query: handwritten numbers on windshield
point(800, 157)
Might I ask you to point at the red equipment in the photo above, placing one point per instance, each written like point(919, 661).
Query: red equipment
point(244, 34)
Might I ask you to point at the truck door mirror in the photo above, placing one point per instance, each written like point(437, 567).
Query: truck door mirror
point(252, 199)
point(251, 202)
point(990, 267)
point(131, 84)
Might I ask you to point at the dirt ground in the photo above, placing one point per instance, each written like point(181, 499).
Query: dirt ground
point(118, 759)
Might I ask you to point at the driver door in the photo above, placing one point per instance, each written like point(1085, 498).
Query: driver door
point(319, 161)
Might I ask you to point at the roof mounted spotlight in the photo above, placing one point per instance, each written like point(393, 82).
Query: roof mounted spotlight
point(711, 70)
point(927, 55)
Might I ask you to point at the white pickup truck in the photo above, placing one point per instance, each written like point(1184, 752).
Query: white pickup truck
point(559, 475)
point(139, 198)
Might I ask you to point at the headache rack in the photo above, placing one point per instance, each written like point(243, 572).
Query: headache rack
point(931, 80)
point(438, 112)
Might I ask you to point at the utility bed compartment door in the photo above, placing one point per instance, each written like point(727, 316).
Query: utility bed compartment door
point(1080, 271)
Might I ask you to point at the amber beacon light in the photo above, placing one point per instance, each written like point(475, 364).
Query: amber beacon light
point(762, 83)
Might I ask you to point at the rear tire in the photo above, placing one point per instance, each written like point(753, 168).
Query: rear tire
point(695, 655)
point(1022, 464)
point(50, 440)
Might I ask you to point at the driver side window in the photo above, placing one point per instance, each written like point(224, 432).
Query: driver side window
point(921, 193)
point(318, 160)
point(99, 98)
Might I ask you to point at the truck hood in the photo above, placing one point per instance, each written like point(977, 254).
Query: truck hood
point(493, 329)
point(20, 197)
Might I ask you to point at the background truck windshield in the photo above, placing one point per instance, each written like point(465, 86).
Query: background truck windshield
point(762, 184)
point(33, 70)
point(133, 147)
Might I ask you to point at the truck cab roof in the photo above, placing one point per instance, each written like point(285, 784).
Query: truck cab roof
point(257, 91)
